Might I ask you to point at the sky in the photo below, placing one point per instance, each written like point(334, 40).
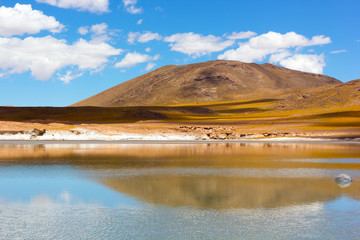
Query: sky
point(58, 52)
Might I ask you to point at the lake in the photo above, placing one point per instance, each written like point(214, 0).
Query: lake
point(179, 191)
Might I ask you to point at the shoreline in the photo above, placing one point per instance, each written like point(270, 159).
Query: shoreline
point(161, 133)
point(247, 141)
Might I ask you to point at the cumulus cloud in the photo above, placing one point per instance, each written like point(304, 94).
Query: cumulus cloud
point(338, 51)
point(257, 48)
point(44, 56)
point(197, 45)
point(148, 36)
point(83, 30)
point(277, 57)
point(241, 35)
point(99, 32)
point(130, 7)
point(94, 6)
point(23, 19)
point(278, 46)
point(305, 62)
point(143, 37)
point(150, 66)
point(273, 40)
point(147, 49)
point(140, 21)
point(131, 59)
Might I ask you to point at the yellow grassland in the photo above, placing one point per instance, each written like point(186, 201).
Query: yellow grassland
point(324, 111)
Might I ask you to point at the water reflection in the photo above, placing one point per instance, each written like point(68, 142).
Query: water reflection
point(222, 192)
point(181, 191)
point(219, 176)
point(256, 155)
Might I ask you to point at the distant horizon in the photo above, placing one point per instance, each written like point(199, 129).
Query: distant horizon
point(56, 53)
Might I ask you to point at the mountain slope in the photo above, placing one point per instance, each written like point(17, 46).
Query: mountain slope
point(206, 82)
point(326, 97)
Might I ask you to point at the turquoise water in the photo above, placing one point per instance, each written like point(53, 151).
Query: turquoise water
point(178, 192)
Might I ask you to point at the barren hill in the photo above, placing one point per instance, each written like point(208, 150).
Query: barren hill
point(326, 97)
point(206, 82)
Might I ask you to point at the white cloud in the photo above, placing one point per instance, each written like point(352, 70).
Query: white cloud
point(95, 6)
point(140, 21)
point(99, 32)
point(277, 57)
point(150, 66)
point(129, 2)
point(197, 45)
point(241, 35)
point(134, 10)
point(338, 51)
point(147, 49)
point(148, 36)
point(130, 7)
point(246, 53)
point(44, 56)
point(143, 37)
point(305, 62)
point(132, 36)
point(257, 48)
point(66, 78)
point(23, 19)
point(83, 30)
point(99, 29)
point(273, 40)
point(278, 47)
point(131, 59)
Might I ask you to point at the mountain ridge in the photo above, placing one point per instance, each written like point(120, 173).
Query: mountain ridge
point(220, 80)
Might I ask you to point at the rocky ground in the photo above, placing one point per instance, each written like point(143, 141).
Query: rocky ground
point(211, 132)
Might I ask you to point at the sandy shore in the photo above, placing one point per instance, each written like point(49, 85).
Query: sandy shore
point(166, 132)
point(99, 142)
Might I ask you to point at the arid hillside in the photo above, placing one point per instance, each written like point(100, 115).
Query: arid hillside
point(220, 99)
point(212, 81)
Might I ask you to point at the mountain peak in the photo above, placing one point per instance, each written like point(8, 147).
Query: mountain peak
point(220, 80)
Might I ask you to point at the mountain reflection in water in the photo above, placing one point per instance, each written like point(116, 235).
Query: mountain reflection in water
point(206, 176)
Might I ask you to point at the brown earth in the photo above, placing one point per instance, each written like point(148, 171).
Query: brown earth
point(329, 111)
point(206, 82)
point(296, 104)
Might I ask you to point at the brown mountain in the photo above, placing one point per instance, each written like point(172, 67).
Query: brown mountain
point(326, 97)
point(213, 81)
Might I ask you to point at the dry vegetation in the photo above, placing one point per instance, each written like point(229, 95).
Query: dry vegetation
point(271, 117)
point(272, 101)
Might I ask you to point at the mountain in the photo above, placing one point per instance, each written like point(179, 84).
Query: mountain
point(327, 97)
point(213, 81)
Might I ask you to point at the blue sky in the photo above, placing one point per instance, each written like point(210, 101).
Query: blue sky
point(58, 52)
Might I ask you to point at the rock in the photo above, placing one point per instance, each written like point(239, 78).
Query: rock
point(343, 180)
point(37, 132)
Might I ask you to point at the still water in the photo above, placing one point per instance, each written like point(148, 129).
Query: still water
point(179, 191)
